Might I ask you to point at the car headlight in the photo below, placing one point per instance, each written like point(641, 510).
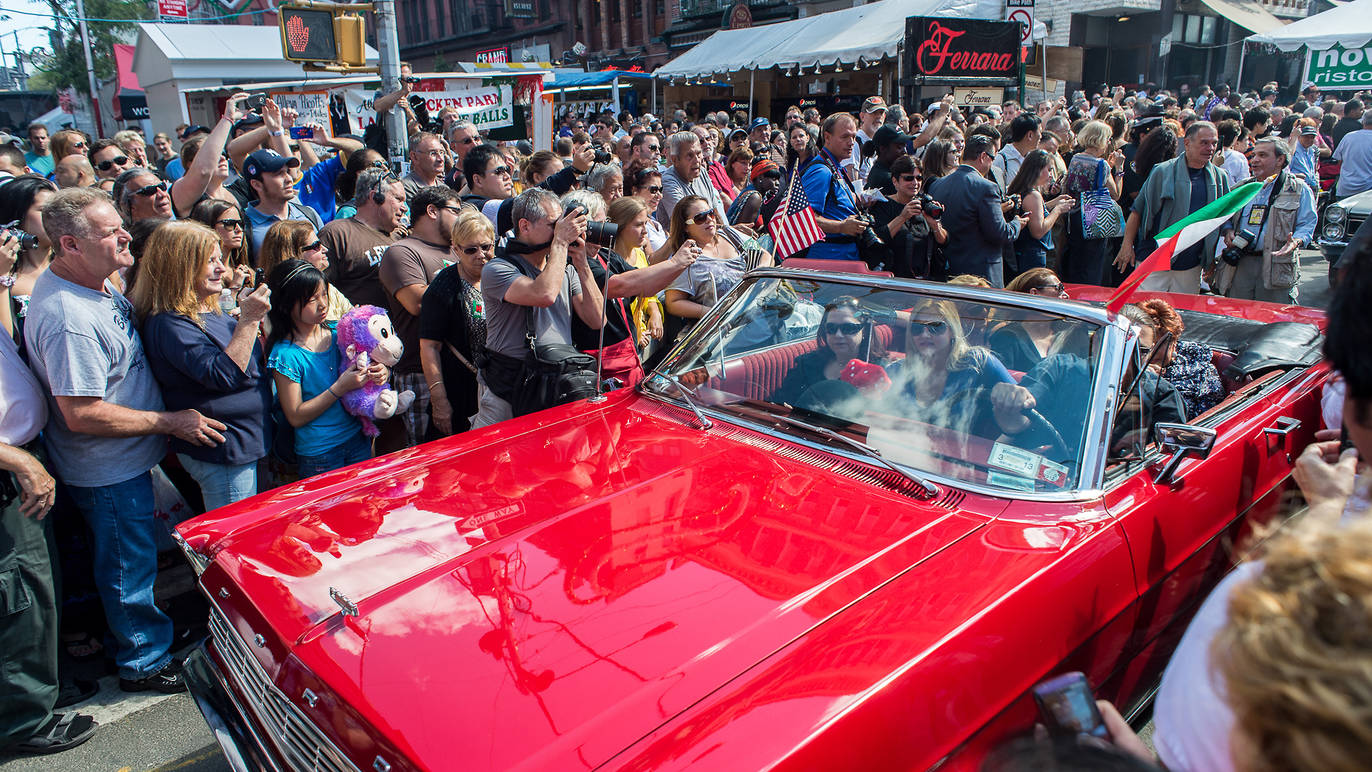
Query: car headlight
point(1333, 232)
point(1335, 214)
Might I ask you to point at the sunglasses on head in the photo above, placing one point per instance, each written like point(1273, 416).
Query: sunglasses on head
point(231, 223)
point(842, 328)
point(701, 218)
point(151, 190)
point(110, 163)
point(469, 251)
point(927, 328)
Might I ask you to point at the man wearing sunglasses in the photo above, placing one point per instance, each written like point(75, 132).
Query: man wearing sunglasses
point(462, 137)
point(490, 182)
point(141, 194)
point(407, 268)
point(977, 229)
point(109, 159)
point(647, 150)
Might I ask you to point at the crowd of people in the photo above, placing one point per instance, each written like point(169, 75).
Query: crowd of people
point(174, 311)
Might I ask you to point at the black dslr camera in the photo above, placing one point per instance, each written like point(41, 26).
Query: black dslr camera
point(602, 234)
point(868, 239)
point(27, 240)
point(1243, 241)
point(602, 155)
point(931, 207)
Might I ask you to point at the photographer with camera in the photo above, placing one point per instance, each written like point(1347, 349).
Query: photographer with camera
point(830, 193)
point(621, 283)
point(530, 290)
point(1259, 261)
point(490, 182)
point(909, 223)
point(977, 229)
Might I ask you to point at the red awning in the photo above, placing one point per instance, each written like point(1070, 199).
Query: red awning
point(123, 62)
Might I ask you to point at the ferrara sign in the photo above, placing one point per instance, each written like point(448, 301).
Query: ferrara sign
point(948, 49)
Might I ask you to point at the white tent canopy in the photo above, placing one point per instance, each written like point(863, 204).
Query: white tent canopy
point(1348, 25)
point(868, 32)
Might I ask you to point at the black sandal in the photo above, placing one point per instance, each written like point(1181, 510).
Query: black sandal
point(74, 691)
point(60, 732)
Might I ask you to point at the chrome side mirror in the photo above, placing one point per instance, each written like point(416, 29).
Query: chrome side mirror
point(1181, 440)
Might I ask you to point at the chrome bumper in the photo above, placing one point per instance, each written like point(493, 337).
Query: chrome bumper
point(244, 747)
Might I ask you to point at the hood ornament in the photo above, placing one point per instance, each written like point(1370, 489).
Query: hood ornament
point(344, 602)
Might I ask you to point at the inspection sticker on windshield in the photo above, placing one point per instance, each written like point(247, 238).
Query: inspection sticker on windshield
point(1053, 474)
point(1022, 462)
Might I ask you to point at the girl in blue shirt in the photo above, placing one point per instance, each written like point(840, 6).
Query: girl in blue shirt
point(305, 364)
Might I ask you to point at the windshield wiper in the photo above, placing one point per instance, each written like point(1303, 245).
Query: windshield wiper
point(867, 450)
point(687, 396)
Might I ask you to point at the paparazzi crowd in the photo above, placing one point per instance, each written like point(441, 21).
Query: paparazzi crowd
point(171, 312)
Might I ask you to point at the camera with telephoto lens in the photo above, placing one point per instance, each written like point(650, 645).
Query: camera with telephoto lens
point(931, 207)
point(1242, 241)
point(27, 240)
point(601, 234)
point(602, 156)
point(868, 239)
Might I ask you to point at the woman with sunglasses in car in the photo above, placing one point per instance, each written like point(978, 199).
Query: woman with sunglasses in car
point(298, 240)
point(721, 262)
point(452, 327)
point(845, 334)
point(942, 380)
point(226, 220)
point(912, 234)
point(1022, 344)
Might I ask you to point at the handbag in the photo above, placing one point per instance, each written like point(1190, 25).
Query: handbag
point(1101, 216)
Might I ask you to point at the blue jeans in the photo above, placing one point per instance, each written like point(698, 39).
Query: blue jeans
point(355, 450)
point(221, 484)
point(125, 541)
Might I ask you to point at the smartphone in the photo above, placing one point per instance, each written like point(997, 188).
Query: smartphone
point(302, 132)
point(255, 102)
point(1069, 707)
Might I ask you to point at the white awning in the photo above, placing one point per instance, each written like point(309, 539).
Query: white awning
point(1348, 25)
point(1249, 15)
point(216, 52)
point(868, 32)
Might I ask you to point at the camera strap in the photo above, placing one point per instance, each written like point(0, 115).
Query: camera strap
point(1264, 212)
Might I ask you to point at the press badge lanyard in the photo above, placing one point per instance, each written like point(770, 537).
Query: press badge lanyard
point(1259, 213)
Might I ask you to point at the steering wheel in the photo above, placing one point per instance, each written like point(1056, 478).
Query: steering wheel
point(1035, 417)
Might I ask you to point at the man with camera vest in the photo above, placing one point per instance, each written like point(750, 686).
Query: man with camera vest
point(1260, 261)
point(531, 283)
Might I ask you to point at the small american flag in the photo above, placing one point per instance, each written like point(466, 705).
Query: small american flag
point(794, 228)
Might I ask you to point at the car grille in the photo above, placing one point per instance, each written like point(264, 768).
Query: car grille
point(1352, 224)
point(301, 742)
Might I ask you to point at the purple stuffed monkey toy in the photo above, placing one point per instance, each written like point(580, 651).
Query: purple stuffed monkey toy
point(365, 334)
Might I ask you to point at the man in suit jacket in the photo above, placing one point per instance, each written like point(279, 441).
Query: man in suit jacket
point(977, 228)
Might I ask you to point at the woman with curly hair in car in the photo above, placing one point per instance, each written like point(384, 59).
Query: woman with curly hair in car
point(1187, 366)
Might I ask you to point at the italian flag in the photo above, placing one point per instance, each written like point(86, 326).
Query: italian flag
point(1187, 232)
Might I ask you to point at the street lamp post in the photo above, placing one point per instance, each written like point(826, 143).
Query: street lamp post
point(90, 67)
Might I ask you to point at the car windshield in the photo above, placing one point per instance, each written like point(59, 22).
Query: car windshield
point(969, 391)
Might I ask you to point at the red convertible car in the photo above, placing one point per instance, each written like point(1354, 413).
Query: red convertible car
point(748, 563)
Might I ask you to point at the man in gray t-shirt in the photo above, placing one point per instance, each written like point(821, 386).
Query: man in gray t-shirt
point(107, 429)
point(556, 289)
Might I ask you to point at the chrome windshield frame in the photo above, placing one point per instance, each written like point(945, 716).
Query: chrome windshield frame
point(1116, 333)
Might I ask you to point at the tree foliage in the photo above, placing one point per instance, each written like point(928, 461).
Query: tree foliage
point(68, 64)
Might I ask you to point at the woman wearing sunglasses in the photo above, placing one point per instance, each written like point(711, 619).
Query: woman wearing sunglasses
point(912, 234)
point(943, 380)
point(646, 184)
point(452, 327)
point(226, 220)
point(298, 240)
point(1020, 345)
point(845, 334)
point(721, 262)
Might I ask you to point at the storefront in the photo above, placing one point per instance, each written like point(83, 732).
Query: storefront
point(1334, 48)
point(978, 61)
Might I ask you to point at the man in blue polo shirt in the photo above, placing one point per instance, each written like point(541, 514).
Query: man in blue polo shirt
point(830, 194)
point(268, 175)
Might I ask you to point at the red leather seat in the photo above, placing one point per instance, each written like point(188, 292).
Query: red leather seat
point(820, 264)
point(758, 375)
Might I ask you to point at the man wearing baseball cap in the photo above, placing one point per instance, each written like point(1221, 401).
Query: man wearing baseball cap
point(1306, 153)
point(759, 131)
point(871, 118)
point(268, 175)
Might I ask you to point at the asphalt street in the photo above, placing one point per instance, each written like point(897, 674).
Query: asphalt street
point(140, 732)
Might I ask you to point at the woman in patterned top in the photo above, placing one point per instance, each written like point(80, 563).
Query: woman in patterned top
point(1184, 364)
point(452, 326)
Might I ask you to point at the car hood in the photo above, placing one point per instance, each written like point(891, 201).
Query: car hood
point(547, 593)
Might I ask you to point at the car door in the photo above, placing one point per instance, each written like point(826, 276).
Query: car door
point(1186, 533)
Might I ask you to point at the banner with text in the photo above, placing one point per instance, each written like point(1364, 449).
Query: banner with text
point(1340, 68)
point(489, 107)
point(313, 107)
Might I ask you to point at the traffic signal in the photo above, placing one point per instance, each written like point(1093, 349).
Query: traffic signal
point(322, 34)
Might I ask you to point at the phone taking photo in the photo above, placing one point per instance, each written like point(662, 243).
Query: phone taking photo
point(255, 102)
point(302, 132)
point(1069, 707)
